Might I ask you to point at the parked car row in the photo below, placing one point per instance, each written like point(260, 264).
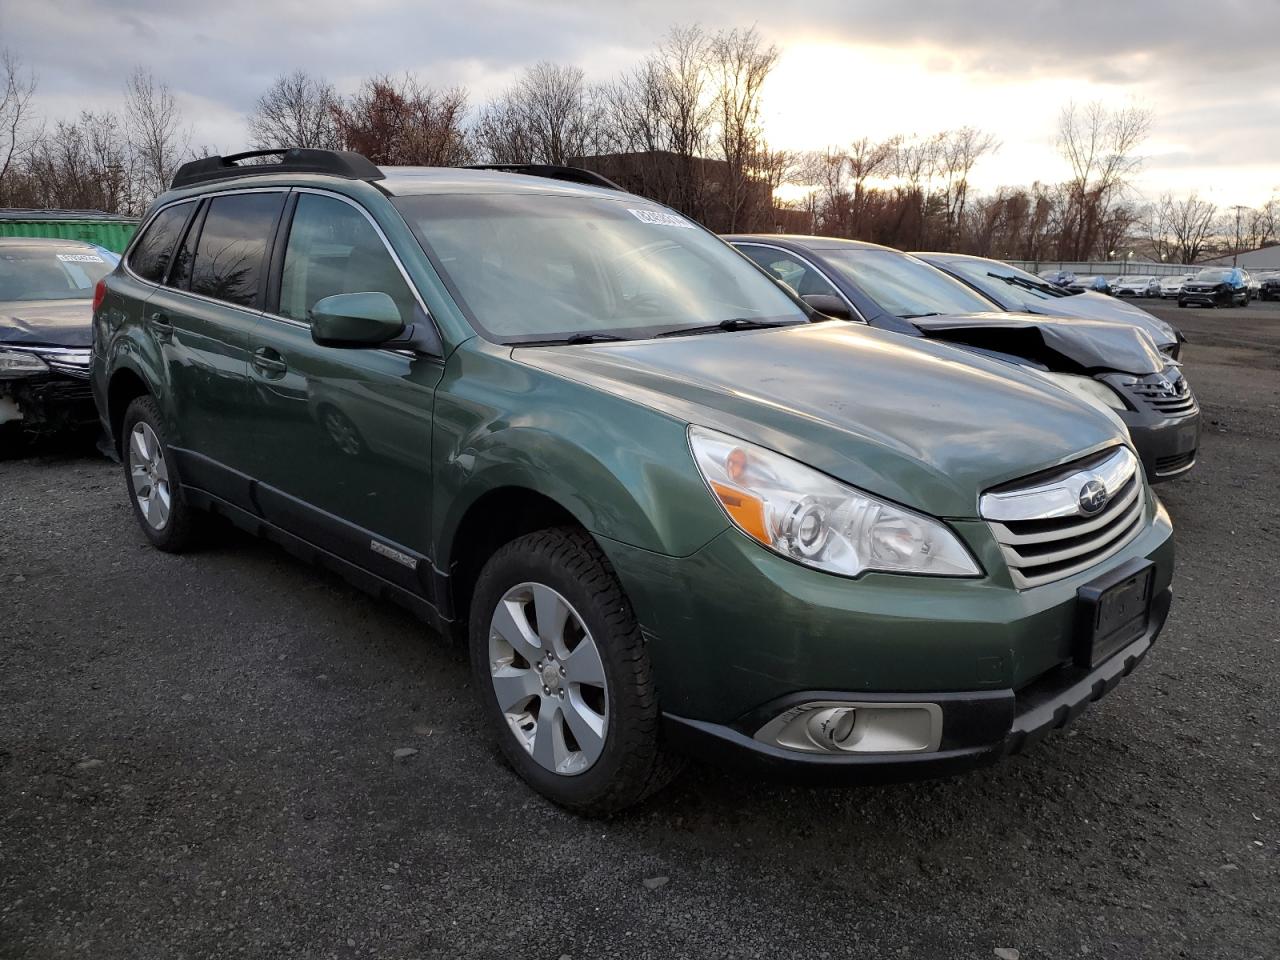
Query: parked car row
point(1212, 286)
point(808, 507)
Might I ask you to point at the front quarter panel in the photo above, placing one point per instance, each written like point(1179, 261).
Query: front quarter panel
point(623, 470)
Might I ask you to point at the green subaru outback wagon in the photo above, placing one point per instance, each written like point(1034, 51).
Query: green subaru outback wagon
point(673, 510)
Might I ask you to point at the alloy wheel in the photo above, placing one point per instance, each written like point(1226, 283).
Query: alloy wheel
point(549, 679)
point(149, 474)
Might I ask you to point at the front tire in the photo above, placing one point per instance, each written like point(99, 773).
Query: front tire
point(563, 674)
point(159, 502)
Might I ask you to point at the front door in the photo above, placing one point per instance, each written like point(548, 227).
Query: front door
point(344, 455)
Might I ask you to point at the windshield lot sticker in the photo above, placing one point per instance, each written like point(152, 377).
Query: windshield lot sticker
point(79, 258)
point(660, 218)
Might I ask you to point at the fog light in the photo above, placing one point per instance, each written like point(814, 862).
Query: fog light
point(827, 726)
point(832, 727)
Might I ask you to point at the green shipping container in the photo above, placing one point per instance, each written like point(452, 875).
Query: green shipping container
point(92, 226)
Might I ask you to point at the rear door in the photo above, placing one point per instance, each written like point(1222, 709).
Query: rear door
point(202, 316)
point(344, 451)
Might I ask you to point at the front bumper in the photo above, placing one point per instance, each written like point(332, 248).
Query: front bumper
point(1208, 298)
point(47, 404)
point(734, 626)
point(1167, 447)
point(978, 727)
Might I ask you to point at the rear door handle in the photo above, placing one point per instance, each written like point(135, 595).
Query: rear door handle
point(269, 363)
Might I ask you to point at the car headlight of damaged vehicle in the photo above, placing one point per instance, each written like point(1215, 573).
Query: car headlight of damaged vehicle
point(808, 517)
point(15, 363)
point(1087, 388)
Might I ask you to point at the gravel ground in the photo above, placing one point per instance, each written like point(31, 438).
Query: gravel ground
point(196, 760)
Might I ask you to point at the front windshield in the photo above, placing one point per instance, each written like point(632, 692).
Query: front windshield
point(986, 274)
point(903, 285)
point(1213, 276)
point(529, 268)
point(46, 272)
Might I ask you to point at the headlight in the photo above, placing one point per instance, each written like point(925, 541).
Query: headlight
point(15, 363)
point(808, 517)
point(1087, 388)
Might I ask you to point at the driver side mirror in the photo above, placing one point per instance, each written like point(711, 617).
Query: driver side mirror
point(355, 320)
point(829, 305)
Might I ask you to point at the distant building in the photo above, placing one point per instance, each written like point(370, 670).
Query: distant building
point(1264, 258)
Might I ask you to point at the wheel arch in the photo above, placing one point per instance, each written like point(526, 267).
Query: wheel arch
point(492, 520)
point(125, 386)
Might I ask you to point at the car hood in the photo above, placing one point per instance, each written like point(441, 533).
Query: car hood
point(1099, 306)
point(918, 422)
point(57, 323)
point(1060, 344)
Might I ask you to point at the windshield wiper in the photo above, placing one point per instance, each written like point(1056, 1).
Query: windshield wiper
point(917, 316)
point(592, 338)
point(731, 324)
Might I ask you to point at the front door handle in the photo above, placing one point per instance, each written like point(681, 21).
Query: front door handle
point(269, 363)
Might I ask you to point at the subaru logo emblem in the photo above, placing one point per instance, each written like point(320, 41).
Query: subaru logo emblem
point(1093, 497)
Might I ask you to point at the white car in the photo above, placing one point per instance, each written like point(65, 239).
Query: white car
point(1170, 287)
point(1135, 287)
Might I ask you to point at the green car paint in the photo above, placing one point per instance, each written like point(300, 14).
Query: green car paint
point(391, 460)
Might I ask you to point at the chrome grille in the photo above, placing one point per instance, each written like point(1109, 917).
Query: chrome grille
point(1167, 393)
point(1046, 534)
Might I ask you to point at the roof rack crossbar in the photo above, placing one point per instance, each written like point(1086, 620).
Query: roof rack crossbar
point(339, 163)
point(552, 171)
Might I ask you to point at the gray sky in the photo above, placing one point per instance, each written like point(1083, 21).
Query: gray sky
point(848, 67)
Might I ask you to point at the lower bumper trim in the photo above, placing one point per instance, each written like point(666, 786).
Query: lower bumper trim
point(979, 727)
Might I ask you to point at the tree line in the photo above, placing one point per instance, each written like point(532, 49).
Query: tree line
point(682, 127)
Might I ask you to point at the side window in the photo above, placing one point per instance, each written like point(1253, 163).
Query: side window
point(180, 272)
point(230, 255)
point(792, 271)
point(333, 249)
point(149, 258)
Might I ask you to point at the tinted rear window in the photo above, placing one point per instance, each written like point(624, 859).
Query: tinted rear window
point(149, 258)
point(230, 259)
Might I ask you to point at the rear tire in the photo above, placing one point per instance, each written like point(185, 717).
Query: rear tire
point(591, 741)
point(151, 479)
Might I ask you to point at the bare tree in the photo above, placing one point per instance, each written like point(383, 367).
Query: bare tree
point(157, 137)
point(296, 111)
point(1190, 224)
point(19, 129)
point(741, 63)
point(403, 121)
point(1100, 147)
point(82, 164)
point(958, 151)
point(551, 115)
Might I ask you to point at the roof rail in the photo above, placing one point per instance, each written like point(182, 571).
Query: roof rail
point(552, 171)
point(338, 163)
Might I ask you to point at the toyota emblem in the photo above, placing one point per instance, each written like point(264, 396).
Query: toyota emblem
point(1093, 497)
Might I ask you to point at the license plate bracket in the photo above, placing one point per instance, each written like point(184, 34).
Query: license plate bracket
point(1113, 611)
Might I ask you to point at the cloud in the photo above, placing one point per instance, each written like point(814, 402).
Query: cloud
point(1214, 88)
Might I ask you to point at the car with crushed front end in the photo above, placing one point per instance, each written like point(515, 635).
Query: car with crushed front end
point(1216, 287)
point(1018, 291)
point(46, 314)
point(1113, 365)
point(670, 508)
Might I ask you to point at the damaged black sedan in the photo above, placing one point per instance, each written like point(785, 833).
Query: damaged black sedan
point(46, 333)
point(1115, 366)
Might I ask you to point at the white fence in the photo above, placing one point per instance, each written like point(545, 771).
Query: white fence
point(1108, 268)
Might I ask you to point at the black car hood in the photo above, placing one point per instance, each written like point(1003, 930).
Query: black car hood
point(1062, 345)
point(55, 323)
